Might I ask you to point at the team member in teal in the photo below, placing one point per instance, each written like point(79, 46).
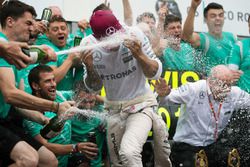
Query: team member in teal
point(240, 60)
point(16, 21)
point(215, 44)
point(42, 81)
point(68, 67)
point(178, 55)
point(82, 127)
point(84, 29)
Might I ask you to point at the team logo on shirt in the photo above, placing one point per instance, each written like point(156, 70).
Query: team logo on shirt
point(202, 94)
point(97, 55)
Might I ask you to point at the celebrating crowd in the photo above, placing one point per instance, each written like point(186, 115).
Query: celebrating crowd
point(125, 60)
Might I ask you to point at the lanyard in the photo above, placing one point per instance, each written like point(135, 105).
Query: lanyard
point(216, 116)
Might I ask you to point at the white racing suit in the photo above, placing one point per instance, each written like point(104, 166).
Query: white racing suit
point(132, 109)
point(128, 128)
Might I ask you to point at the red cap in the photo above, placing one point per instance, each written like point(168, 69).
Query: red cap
point(103, 23)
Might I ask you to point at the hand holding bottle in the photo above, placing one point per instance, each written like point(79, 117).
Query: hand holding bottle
point(12, 53)
point(40, 54)
point(53, 128)
point(90, 150)
point(51, 55)
point(64, 106)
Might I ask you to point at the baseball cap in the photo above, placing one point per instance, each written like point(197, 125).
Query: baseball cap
point(103, 23)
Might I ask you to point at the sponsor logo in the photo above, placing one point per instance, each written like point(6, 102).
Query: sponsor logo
point(97, 55)
point(111, 30)
point(127, 59)
point(118, 75)
point(116, 150)
point(99, 66)
point(202, 95)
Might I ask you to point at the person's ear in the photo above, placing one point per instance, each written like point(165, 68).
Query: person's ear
point(35, 86)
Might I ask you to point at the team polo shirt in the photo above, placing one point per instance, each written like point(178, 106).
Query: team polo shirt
point(84, 33)
point(181, 60)
point(72, 76)
point(80, 130)
point(217, 51)
point(4, 107)
point(240, 59)
point(64, 137)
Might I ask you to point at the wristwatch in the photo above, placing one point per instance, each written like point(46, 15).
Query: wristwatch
point(74, 148)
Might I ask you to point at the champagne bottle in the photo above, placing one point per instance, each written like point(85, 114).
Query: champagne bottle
point(47, 13)
point(77, 40)
point(92, 137)
point(35, 53)
point(53, 128)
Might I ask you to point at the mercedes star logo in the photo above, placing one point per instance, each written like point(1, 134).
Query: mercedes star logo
point(97, 56)
point(110, 31)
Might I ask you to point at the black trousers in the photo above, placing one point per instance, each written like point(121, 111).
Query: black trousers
point(183, 154)
point(11, 132)
point(236, 135)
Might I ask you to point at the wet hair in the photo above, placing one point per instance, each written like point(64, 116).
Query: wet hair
point(102, 6)
point(139, 19)
point(170, 19)
point(212, 5)
point(57, 18)
point(14, 9)
point(34, 74)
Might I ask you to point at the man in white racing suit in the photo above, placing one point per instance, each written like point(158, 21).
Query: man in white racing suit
point(123, 69)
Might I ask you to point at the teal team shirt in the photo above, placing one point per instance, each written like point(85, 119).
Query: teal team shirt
point(4, 107)
point(240, 57)
point(43, 39)
point(65, 135)
point(216, 51)
point(181, 60)
point(73, 75)
point(80, 130)
point(84, 33)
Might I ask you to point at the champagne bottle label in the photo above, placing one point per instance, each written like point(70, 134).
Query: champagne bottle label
point(53, 128)
point(34, 56)
point(35, 53)
point(51, 134)
point(77, 40)
point(92, 137)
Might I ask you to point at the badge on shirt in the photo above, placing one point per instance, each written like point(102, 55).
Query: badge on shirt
point(127, 59)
